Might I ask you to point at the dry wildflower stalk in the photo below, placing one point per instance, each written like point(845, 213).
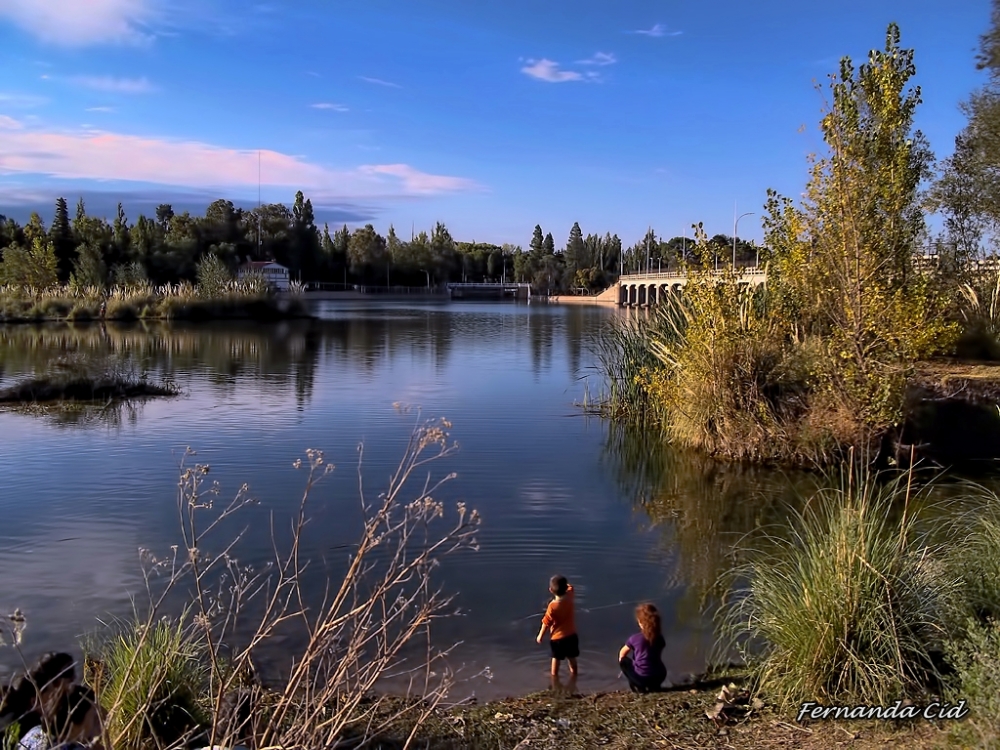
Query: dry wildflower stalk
point(363, 630)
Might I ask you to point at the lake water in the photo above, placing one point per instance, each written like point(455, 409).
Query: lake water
point(558, 491)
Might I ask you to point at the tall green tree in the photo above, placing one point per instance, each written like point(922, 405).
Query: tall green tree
point(121, 236)
point(367, 252)
point(549, 245)
point(843, 262)
point(537, 240)
point(89, 268)
point(576, 250)
point(967, 191)
point(61, 236)
point(35, 230)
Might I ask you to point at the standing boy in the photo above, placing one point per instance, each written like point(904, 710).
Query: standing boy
point(560, 622)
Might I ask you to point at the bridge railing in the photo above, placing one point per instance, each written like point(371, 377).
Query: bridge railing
point(487, 285)
point(667, 275)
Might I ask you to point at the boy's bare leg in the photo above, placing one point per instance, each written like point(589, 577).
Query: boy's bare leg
point(555, 668)
point(572, 667)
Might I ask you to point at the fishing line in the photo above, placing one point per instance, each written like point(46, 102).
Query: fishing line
point(580, 609)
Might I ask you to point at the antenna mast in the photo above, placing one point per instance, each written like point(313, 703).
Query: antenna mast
point(259, 239)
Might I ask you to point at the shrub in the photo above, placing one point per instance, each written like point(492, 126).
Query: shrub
point(976, 659)
point(853, 605)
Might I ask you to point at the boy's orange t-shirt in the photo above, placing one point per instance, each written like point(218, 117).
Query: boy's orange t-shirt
point(559, 617)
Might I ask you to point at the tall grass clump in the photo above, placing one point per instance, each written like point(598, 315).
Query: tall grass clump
point(852, 604)
point(979, 305)
point(974, 553)
point(168, 672)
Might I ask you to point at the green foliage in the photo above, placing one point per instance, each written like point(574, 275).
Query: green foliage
point(129, 275)
point(89, 269)
point(976, 660)
point(851, 605)
point(151, 682)
point(35, 267)
point(213, 276)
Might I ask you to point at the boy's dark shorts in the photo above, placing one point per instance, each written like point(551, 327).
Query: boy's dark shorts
point(565, 648)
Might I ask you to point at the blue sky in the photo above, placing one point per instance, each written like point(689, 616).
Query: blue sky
point(490, 117)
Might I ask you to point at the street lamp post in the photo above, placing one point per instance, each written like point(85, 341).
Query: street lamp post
point(735, 227)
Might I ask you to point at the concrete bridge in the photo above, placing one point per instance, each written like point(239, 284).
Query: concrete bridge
point(646, 289)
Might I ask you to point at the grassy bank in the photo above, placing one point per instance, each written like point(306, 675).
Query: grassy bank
point(231, 301)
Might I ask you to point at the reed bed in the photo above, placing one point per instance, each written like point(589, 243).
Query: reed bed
point(249, 297)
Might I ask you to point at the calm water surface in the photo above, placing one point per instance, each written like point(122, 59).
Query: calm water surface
point(559, 492)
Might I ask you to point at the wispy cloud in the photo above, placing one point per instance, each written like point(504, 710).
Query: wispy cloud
point(100, 109)
point(9, 123)
point(77, 23)
point(599, 58)
point(114, 85)
point(22, 101)
point(420, 183)
point(328, 105)
point(312, 73)
point(103, 155)
point(549, 71)
point(658, 30)
point(380, 82)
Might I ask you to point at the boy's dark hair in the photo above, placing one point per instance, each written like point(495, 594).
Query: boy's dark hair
point(73, 708)
point(558, 585)
point(50, 668)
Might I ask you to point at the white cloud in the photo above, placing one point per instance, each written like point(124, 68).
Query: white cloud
point(380, 82)
point(103, 155)
point(600, 58)
point(99, 109)
point(82, 22)
point(328, 105)
point(113, 85)
point(417, 182)
point(22, 101)
point(549, 71)
point(9, 123)
point(658, 30)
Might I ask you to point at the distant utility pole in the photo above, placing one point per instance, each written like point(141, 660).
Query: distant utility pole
point(736, 224)
point(647, 248)
point(260, 241)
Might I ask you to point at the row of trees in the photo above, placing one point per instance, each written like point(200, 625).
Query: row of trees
point(167, 248)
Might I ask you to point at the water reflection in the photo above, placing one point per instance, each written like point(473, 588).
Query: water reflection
point(623, 516)
point(703, 508)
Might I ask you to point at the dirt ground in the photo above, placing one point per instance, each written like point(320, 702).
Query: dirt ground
point(672, 719)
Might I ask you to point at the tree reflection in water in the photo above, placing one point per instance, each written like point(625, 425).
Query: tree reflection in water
point(703, 508)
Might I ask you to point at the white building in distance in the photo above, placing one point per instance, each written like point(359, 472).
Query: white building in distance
point(275, 274)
